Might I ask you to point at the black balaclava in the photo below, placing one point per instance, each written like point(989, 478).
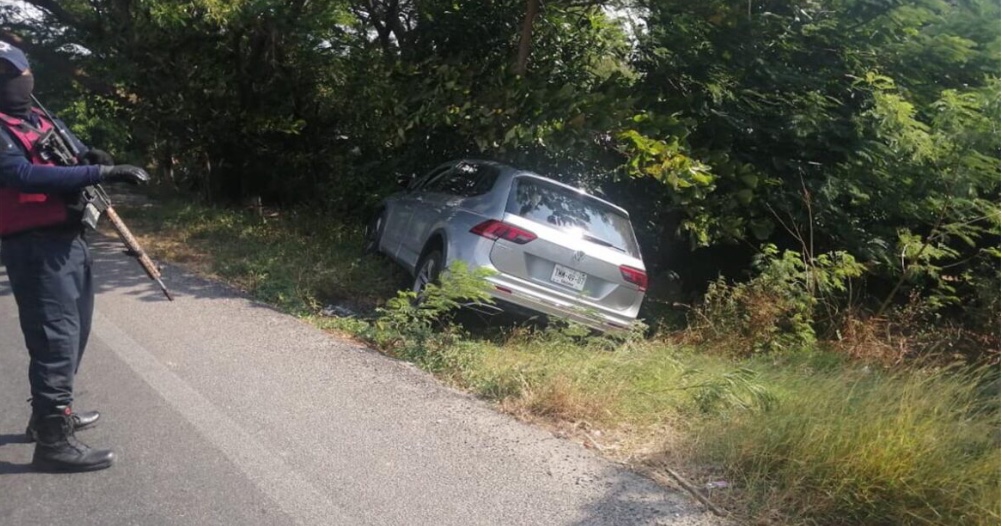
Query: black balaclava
point(15, 95)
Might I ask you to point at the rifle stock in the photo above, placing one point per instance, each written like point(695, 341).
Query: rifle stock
point(136, 250)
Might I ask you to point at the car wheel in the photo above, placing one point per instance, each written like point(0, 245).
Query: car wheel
point(374, 233)
point(428, 270)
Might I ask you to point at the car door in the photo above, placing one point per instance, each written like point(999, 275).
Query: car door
point(433, 205)
point(401, 209)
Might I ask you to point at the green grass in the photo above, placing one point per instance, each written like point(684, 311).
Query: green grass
point(298, 261)
point(811, 438)
point(850, 446)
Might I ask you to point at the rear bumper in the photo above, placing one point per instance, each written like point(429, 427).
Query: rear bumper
point(531, 297)
point(506, 291)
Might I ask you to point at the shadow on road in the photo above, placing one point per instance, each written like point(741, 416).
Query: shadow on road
point(16, 438)
point(115, 271)
point(624, 505)
point(9, 468)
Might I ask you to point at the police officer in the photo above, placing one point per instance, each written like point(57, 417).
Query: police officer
point(48, 263)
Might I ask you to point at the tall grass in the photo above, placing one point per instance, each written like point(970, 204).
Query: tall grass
point(845, 447)
point(296, 261)
point(608, 384)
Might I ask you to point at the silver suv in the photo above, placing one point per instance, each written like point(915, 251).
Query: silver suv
point(554, 249)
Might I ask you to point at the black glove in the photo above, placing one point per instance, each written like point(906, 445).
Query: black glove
point(95, 156)
point(124, 173)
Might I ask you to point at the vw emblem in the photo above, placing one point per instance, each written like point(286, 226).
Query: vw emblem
point(578, 256)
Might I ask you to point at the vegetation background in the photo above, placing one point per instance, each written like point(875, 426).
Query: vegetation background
point(815, 185)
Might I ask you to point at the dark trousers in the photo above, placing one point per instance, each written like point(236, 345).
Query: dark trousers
point(50, 275)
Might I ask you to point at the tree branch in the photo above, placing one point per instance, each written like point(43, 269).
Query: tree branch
point(61, 15)
point(64, 66)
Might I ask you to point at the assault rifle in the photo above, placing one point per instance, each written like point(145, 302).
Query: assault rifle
point(61, 149)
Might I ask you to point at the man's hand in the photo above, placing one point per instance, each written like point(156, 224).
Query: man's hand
point(99, 157)
point(124, 173)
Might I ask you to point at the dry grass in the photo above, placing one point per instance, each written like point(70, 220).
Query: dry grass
point(904, 337)
point(561, 400)
point(872, 340)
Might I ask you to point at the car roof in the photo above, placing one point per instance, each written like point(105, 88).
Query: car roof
point(519, 172)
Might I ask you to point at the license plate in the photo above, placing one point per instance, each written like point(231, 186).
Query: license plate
point(568, 278)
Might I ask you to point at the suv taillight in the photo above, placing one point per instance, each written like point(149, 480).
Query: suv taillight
point(494, 229)
point(634, 275)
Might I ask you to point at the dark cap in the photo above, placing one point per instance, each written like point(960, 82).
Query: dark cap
point(13, 55)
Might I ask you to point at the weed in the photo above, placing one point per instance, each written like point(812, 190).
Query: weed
point(775, 311)
point(419, 329)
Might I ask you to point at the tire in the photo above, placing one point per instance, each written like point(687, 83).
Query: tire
point(374, 233)
point(428, 270)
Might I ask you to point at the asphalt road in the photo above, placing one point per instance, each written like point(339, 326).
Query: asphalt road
point(224, 411)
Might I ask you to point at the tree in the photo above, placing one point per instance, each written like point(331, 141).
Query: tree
point(828, 122)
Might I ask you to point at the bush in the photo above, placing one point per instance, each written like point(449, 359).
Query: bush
point(421, 330)
point(776, 309)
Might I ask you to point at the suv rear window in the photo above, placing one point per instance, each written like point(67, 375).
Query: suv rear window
point(576, 213)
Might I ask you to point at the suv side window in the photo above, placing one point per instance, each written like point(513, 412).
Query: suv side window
point(465, 180)
point(485, 178)
point(428, 179)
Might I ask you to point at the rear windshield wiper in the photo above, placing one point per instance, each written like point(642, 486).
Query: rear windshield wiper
point(600, 241)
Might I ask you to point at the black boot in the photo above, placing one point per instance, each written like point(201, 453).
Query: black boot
point(80, 421)
point(58, 450)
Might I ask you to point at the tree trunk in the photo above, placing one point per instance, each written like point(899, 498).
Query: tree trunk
point(525, 39)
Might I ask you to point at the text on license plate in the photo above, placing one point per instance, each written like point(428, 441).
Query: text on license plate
point(568, 278)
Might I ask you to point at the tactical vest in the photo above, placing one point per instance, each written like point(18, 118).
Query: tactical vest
point(19, 211)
